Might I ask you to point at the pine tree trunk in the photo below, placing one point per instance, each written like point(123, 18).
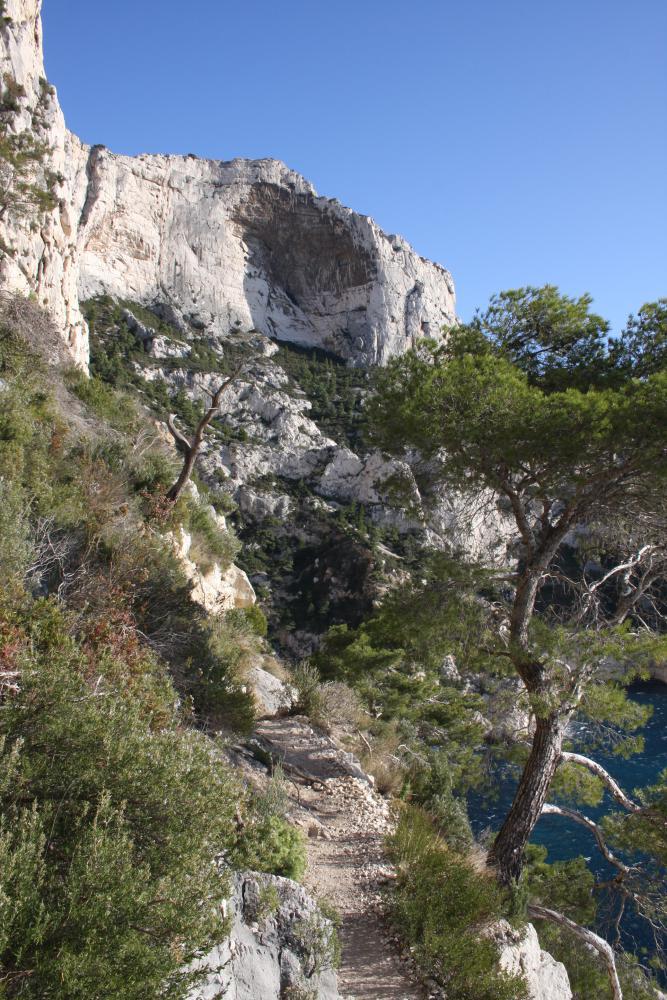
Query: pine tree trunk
point(188, 465)
point(507, 853)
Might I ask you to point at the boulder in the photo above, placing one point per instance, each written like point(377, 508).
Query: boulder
point(279, 943)
point(272, 696)
point(520, 953)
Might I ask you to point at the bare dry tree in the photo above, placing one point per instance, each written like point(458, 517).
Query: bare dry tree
point(190, 449)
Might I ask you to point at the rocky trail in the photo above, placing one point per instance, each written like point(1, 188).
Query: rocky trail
point(346, 821)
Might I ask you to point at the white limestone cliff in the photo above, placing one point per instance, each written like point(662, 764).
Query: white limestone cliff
point(38, 253)
point(249, 245)
point(245, 244)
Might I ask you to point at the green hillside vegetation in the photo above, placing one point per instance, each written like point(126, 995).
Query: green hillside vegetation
point(120, 817)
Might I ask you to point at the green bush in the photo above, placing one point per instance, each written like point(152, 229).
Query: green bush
point(114, 407)
point(305, 678)
point(110, 823)
point(266, 841)
point(440, 904)
point(16, 545)
point(270, 845)
point(253, 617)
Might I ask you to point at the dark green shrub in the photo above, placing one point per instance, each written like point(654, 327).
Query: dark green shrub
point(253, 617)
point(273, 846)
point(441, 903)
point(109, 824)
point(266, 841)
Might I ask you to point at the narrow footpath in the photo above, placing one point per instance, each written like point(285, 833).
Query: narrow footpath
point(346, 822)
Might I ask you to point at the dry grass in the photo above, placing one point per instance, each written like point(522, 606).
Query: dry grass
point(381, 757)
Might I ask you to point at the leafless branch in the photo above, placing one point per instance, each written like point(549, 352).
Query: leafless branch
point(552, 810)
point(588, 937)
point(604, 776)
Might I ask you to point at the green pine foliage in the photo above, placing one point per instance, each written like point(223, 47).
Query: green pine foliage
point(532, 404)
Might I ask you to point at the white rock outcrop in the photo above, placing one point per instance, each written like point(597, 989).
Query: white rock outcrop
point(216, 589)
point(39, 251)
point(520, 954)
point(244, 244)
point(279, 945)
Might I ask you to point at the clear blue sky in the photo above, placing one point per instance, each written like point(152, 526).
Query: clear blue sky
point(514, 141)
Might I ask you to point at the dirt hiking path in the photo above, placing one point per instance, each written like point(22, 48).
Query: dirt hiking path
point(345, 821)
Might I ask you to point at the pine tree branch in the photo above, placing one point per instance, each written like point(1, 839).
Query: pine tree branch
point(552, 810)
point(605, 777)
point(589, 937)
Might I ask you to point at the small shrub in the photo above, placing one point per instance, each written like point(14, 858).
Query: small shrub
point(305, 678)
point(153, 473)
point(329, 912)
point(268, 903)
point(266, 841)
point(341, 706)
point(317, 944)
point(252, 617)
point(271, 845)
point(16, 545)
point(12, 93)
point(381, 757)
point(297, 992)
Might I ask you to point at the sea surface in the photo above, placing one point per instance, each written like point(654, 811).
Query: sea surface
point(565, 839)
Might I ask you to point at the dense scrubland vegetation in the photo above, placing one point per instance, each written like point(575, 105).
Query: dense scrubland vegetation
point(120, 816)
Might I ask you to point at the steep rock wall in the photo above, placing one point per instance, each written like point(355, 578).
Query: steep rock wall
point(245, 244)
point(249, 245)
point(273, 951)
point(38, 250)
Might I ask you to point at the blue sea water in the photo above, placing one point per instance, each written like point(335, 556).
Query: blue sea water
point(565, 839)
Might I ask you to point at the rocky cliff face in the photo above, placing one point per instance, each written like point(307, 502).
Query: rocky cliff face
point(249, 245)
point(520, 954)
point(38, 252)
point(219, 246)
